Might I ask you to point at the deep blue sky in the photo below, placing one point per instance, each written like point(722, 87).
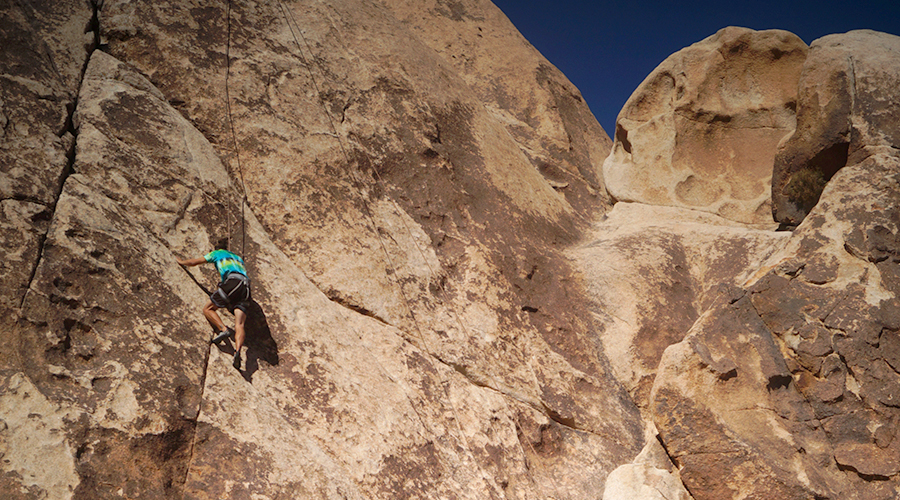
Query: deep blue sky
point(607, 48)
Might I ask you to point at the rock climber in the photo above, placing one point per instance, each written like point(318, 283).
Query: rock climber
point(233, 293)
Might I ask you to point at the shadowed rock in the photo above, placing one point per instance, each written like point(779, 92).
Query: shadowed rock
point(847, 111)
point(812, 400)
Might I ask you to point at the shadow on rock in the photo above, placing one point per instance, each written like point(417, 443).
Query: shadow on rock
point(261, 347)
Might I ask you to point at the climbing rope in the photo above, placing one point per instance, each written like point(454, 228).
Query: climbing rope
point(369, 214)
point(292, 23)
point(237, 151)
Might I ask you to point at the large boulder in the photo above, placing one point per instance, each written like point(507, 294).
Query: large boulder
point(787, 388)
point(847, 110)
point(700, 132)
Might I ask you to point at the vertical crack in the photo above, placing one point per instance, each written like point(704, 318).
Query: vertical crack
point(190, 460)
point(51, 208)
point(68, 169)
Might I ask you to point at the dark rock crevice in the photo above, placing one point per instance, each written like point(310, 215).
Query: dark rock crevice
point(348, 304)
point(195, 421)
point(50, 210)
point(69, 128)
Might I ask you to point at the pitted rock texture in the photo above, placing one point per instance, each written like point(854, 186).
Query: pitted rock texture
point(847, 110)
point(809, 395)
point(45, 47)
point(700, 131)
point(445, 307)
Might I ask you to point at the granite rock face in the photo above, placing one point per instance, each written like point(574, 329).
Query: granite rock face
point(45, 46)
point(700, 131)
point(790, 378)
point(538, 106)
point(412, 333)
point(652, 271)
point(771, 374)
point(846, 112)
point(446, 304)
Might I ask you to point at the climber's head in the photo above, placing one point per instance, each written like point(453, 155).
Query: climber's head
point(222, 244)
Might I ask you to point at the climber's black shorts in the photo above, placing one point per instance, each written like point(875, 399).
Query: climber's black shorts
point(233, 293)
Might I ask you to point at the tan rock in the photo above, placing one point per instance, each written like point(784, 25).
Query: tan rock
point(35, 452)
point(398, 349)
point(45, 46)
point(807, 406)
point(651, 476)
point(417, 209)
point(418, 330)
point(845, 113)
point(543, 112)
point(700, 132)
point(652, 271)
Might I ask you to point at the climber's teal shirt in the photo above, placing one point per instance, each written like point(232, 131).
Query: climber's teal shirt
point(226, 262)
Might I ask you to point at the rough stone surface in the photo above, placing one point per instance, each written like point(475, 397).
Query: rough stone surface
point(45, 47)
point(651, 476)
point(809, 401)
point(398, 347)
point(539, 107)
point(700, 132)
point(652, 271)
point(434, 316)
point(846, 111)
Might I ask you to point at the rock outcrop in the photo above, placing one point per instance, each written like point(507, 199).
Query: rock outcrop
point(652, 271)
point(785, 387)
point(846, 112)
point(807, 396)
point(413, 334)
point(778, 380)
point(446, 304)
point(700, 131)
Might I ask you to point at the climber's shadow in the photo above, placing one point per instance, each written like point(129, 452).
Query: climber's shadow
point(258, 341)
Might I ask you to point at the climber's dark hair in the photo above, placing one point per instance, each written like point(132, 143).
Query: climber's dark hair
point(222, 244)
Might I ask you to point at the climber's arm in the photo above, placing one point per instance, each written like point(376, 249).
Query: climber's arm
point(192, 262)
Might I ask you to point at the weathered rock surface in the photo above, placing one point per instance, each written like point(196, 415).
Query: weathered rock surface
point(538, 106)
point(413, 336)
point(651, 271)
point(45, 46)
point(700, 132)
point(783, 386)
point(410, 183)
point(651, 476)
point(847, 110)
point(807, 407)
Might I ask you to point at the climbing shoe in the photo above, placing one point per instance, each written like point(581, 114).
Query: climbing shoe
point(237, 360)
point(222, 336)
